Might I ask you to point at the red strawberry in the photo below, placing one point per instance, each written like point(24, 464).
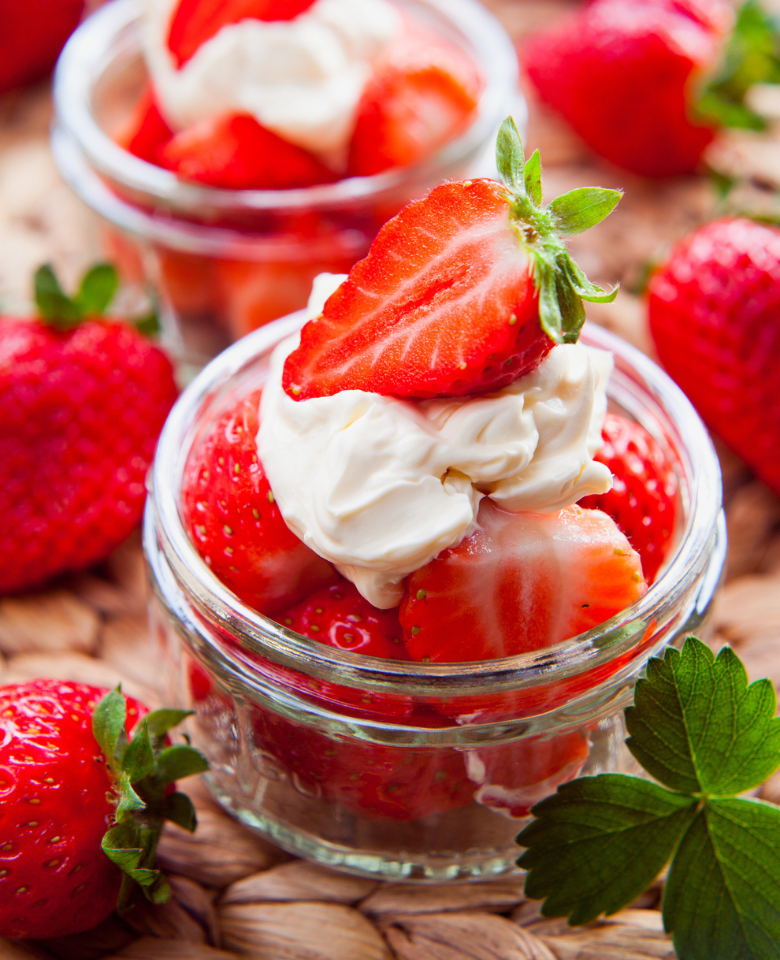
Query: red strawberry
point(235, 524)
point(461, 292)
point(32, 35)
point(421, 95)
point(643, 498)
point(147, 131)
point(512, 777)
point(521, 582)
point(81, 406)
point(714, 310)
point(197, 21)
point(234, 152)
point(59, 794)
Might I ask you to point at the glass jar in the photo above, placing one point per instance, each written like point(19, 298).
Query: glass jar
point(407, 770)
point(224, 262)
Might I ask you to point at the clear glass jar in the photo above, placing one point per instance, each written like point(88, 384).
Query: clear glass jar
point(226, 261)
point(407, 770)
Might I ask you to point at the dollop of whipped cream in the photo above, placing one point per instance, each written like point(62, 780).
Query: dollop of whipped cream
point(301, 78)
point(380, 485)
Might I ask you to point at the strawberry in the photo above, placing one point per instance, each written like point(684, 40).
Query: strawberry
point(196, 21)
point(147, 131)
point(32, 35)
point(66, 770)
point(643, 498)
point(235, 523)
point(234, 152)
point(461, 292)
point(82, 401)
point(714, 311)
point(522, 581)
point(648, 83)
point(421, 95)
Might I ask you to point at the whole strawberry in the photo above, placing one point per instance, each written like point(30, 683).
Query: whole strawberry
point(714, 311)
point(70, 782)
point(32, 33)
point(82, 401)
point(647, 83)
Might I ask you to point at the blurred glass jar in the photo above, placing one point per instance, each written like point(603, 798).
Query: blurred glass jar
point(224, 262)
point(408, 770)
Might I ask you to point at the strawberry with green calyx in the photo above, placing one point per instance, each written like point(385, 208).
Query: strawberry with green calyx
point(62, 792)
point(461, 292)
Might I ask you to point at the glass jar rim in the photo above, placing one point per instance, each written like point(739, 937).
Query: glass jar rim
point(86, 56)
point(269, 639)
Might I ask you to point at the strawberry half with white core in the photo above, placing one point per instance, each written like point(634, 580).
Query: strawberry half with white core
point(461, 292)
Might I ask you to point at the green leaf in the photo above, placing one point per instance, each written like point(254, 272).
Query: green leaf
point(698, 727)
point(53, 304)
point(550, 316)
point(138, 760)
point(121, 845)
point(582, 286)
point(599, 842)
point(98, 286)
point(178, 762)
point(532, 178)
point(510, 157)
point(178, 809)
point(108, 724)
point(159, 722)
point(570, 305)
point(149, 325)
point(721, 898)
point(128, 798)
point(159, 891)
point(583, 208)
point(144, 876)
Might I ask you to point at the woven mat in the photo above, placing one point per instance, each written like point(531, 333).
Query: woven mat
point(234, 894)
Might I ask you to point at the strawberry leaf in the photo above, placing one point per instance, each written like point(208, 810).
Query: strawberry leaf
point(532, 178)
point(159, 722)
point(138, 760)
point(178, 762)
point(121, 845)
point(108, 724)
point(699, 728)
point(583, 208)
point(98, 287)
point(721, 897)
point(582, 286)
point(599, 843)
point(510, 156)
point(128, 798)
point(178, 809)
point(52, 302)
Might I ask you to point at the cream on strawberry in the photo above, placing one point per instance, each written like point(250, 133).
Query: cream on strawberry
point(301, 78)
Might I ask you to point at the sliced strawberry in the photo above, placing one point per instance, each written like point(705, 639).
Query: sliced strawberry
point(234, 522)
point(522, 582)
point(643, 498)
point(234, 152)
point(197, 21)
point(146, 132)
point(421, 95)
point(512, 777)
point(461, 292)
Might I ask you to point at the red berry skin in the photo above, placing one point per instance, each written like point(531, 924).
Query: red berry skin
point(32, 34)
point(714, 312)
point(623, 76)
point(80, 413)
point(147, 131)
point(443, 305)
point(643, 498)
point(54, 878)
point(235, 523)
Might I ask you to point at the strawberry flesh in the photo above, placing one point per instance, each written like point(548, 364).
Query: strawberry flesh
point(147, 131)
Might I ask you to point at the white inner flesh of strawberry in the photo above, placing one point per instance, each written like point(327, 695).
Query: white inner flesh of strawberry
point(379, 485)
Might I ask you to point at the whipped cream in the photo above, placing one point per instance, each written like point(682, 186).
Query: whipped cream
point(301, 78)
point(380, 485)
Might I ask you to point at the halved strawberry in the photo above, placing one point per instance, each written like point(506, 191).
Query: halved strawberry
point(234, 152)
point(522, 581)
point(643, 498)
point(146, 132)
point(421, 95)
point(234, 522)
point(197, 21)
point(463, 291)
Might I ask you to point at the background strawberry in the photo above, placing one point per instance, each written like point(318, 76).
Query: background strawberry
point(461, 292)
point(63, 749)
point(32, 33)
point(82, 402)
point(714, 312)
point(234, 522)
point(643, 498)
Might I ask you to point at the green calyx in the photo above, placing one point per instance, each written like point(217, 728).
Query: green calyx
point(561, 284)
point(96, 291)
point(143, 768)
point(752, 56)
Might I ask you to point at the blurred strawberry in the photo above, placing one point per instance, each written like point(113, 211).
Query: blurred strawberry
point(82, 402)
point(146, 131)
point(714, 310)
point(32, 33)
